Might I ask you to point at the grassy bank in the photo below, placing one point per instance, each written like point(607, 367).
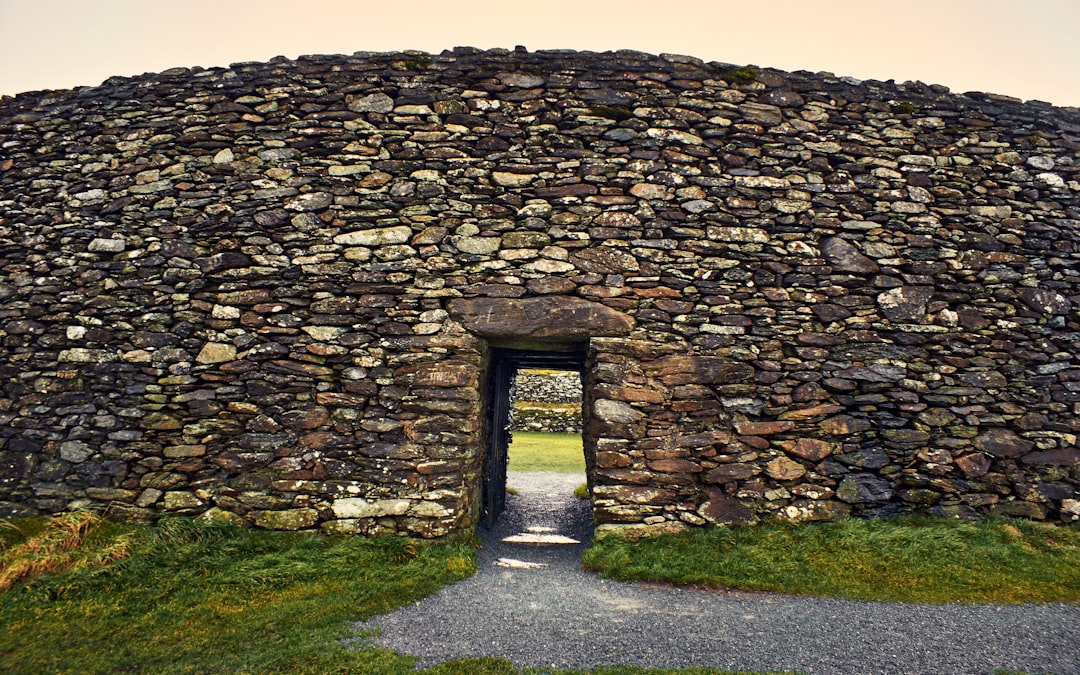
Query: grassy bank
point(900, 560)
point(185, 597)
point(536, 451)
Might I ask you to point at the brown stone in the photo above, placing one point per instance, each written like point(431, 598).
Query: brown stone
point(811, 449)
point(763, 428)
point(783, 468)
point(1003, 443)
point(721, 509)
point(674, 466)
point(305, 418)
point(544, 318)
point(844, 425)
point(682, 369)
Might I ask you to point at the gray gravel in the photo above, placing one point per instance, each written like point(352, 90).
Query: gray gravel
point(559, 616)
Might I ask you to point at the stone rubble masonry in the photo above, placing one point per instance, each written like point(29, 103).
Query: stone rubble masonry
point(267, 293)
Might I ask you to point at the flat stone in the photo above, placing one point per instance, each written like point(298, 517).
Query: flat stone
point(216, 352)
point(862, 488)
point(1003, 443)
point(722, 509)
point(543, 318)
point(312, 201)
point(375, 237)
point(844, 257)
point(783, 468)
point(290, 519)
point(377, 103)
point(906, 303)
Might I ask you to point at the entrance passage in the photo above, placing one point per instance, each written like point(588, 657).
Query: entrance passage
point(502, 372)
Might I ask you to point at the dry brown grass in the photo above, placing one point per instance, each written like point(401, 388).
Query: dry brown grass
point(60, 546)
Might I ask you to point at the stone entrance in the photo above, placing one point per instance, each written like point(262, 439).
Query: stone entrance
point(502, 369)
point(549, 331)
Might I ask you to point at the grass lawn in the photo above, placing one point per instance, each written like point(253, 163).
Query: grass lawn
point(537, 451)
point(900, 560)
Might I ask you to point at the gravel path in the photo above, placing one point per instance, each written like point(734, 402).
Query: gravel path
point(558, 616)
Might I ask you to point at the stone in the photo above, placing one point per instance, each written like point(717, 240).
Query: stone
point(1003, 443)
point(514, 180)
point(862, 488)
point(1056, 457)
point(807, 510)
point(1045, 301)
point(290, 519)
point(721, 509)
point(546, 317)
point(216, 352)
point(844, 257)
point(783, 468)
point(730, 472)
point(375, 237)
point(376, 103)
point(811, 449)
point(686, 369)
point(762, 428)
point(906, 303)
point(110, 245)
point(312, 201)
point(616, 411)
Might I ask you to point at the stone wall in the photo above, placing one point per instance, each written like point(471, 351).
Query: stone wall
point(267, 292)
point(547, 401)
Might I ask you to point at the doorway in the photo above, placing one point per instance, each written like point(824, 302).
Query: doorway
point(503, 368)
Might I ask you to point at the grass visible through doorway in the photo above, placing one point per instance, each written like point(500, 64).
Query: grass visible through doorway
point(537, 451)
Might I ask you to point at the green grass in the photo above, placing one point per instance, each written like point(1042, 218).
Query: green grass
point(899, 560)
point(186, 597)
point(202, 598)
point(537, 451)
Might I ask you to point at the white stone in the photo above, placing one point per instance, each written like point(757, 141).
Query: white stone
point(358, 507)
point(674, 135)
point(763, 182)
point(1051, 179)
point(378, 237)
point(1041, 162)
point(549, 266)
point(225, 312)
point(224, 156)
point(101, 245)
point(616, 411)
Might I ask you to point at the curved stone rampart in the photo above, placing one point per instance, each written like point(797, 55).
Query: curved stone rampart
point(268, 292)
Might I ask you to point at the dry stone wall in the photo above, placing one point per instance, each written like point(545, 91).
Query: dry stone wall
point(547, 401)
point(267, 293)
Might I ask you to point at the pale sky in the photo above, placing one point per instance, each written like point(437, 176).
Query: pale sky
point(1029, 49)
